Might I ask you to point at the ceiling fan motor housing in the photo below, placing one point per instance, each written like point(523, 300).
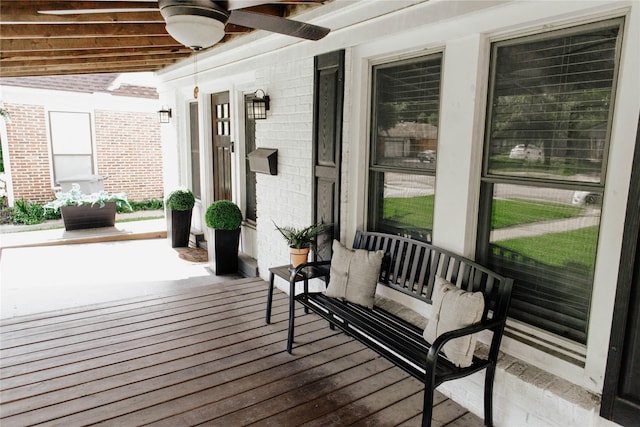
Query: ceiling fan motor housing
point(197, 24)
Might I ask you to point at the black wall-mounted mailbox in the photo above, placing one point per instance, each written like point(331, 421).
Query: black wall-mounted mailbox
point(264, 160)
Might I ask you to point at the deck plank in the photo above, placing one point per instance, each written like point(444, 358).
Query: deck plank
point(200, 355)
point(66, 351)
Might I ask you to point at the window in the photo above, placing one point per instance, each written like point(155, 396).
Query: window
point(251, 213)
point(71, 144)
point(195, 149)
point(404, 140)
point(546, 148)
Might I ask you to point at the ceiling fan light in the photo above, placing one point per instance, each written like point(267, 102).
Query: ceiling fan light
point(194, 31)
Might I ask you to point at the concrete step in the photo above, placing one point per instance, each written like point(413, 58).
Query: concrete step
point(247, 266)
point(197, 240)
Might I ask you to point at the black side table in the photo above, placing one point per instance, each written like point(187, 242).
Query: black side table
point(287, 273)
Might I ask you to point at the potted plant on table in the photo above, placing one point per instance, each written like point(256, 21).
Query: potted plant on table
point(180, 205)
point(301, 240)
point(225, 218)
point(93, 210)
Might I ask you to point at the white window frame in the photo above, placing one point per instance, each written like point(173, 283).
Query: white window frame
point(50, 137)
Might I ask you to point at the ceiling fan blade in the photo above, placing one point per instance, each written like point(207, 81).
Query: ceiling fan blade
point(91, 11)
point(243, 4)
point(278, 24)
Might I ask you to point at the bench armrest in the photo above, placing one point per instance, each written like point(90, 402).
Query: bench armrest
point(441, 340)
point(319, 266)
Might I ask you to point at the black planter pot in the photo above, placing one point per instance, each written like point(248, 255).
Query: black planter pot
point(89, 216)
point(180, 228)
point(225, 251)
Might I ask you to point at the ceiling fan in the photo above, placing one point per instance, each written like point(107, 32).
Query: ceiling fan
point(199, 24)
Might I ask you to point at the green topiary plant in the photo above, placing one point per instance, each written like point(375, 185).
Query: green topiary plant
point(181, 200)
point(223, 215)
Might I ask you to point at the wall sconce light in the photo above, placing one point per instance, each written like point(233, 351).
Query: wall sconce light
point(257, 108)
point(164, 114)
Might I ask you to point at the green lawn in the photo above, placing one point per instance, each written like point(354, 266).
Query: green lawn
point(566, 249)
point(410, 211)
point(573, 249)
point(418, 211)
point(507, 213)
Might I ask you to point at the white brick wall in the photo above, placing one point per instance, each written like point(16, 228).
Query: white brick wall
point(285, 198)
point(527, 396)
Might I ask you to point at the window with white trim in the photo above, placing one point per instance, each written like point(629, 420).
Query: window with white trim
point(71, 144)
point(404, 140)
point(546, 144)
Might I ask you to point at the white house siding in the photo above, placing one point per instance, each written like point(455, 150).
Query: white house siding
point(533, 387)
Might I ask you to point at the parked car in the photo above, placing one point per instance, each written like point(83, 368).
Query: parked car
point(427, 156)
point(528, 153)
point(586, 198)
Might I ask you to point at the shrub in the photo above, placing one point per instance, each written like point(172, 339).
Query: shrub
point(223, 215)
point(25, 212)
point(147, 205)
point(181, 200)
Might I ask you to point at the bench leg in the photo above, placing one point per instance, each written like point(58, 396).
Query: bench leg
point(306, 291)
point(427, 410)
point(488, 395)
point(269, 299)
point(292, 301)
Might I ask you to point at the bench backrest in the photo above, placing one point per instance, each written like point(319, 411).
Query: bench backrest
point(410, 266)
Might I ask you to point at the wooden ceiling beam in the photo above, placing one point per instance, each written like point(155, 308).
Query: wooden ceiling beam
point(31, 31)
point(57, 71)
point(77, 60)
point(17, 45)
point(21, 11)
point(82, 63)
point(15, 18)
point(94, 53)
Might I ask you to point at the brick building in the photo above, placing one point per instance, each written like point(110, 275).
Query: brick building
point(65, 126)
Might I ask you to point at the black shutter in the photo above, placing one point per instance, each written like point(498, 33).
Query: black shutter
point(621, 393)
point(327, 145)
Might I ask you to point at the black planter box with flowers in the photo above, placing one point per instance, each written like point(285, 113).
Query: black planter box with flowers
point(89, 216)
point(93, 210)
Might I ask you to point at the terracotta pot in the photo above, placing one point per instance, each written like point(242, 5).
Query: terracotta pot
point(298, 256)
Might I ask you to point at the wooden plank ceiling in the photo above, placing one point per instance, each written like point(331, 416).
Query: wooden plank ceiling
point(37, 44)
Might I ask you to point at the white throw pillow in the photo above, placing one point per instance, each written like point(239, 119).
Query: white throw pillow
point(454, 308)
point(354, 274)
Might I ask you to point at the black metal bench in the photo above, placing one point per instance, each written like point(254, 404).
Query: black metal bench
point(410, 267)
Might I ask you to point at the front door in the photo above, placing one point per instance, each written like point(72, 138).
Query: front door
point(222, 145)
point(621, 394)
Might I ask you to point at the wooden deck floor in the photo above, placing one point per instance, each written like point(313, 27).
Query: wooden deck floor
point(201, 356)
